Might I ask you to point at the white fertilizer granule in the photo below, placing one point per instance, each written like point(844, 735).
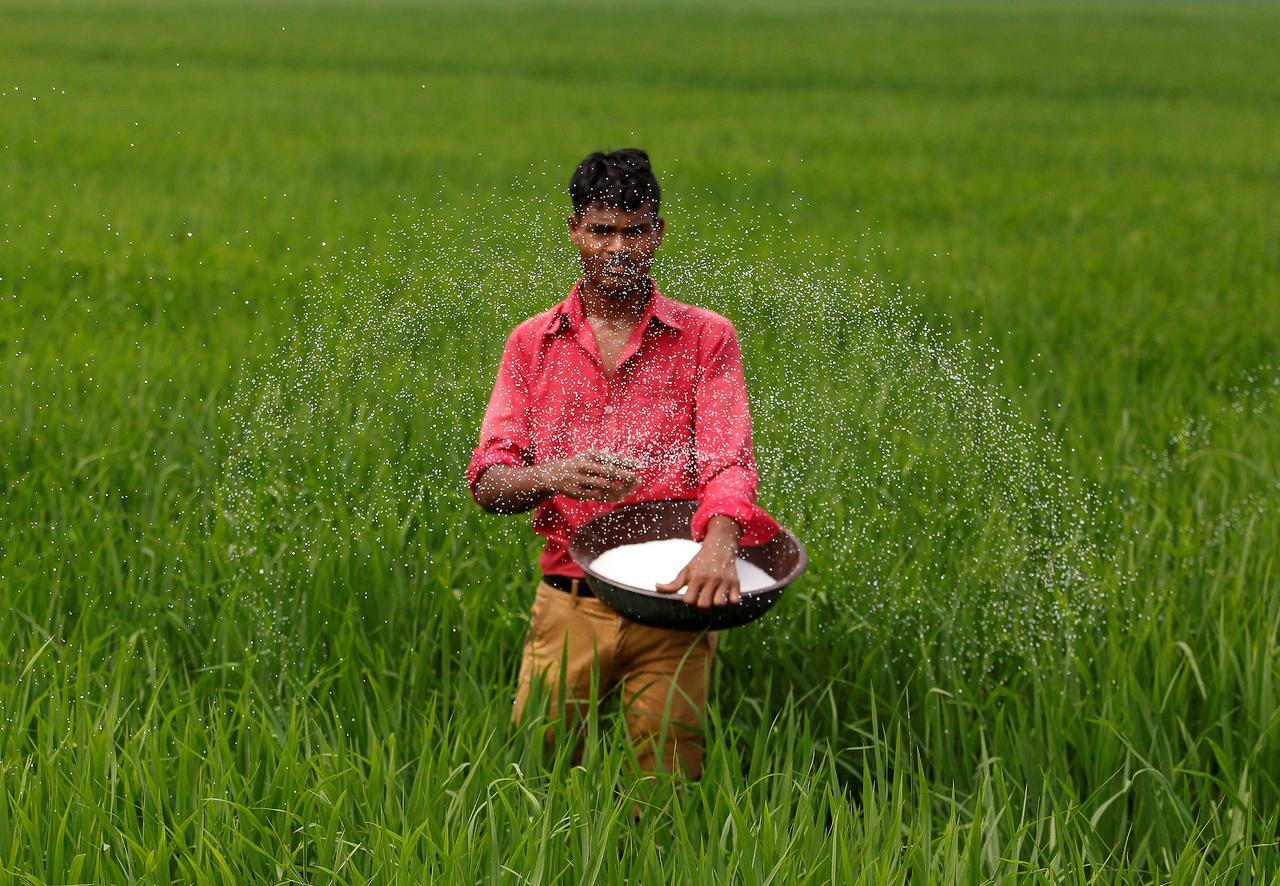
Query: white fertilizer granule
point(647, 564)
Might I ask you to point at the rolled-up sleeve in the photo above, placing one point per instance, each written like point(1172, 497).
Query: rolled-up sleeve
point(505, 438)
point(723, 456)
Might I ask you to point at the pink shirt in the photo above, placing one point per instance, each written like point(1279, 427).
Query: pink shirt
point(677, 403)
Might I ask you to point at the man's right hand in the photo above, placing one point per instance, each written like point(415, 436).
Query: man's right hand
point(594, 475)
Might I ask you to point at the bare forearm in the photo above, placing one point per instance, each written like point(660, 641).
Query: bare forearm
point(722, 532)
point(593, 475)
point(511, 489)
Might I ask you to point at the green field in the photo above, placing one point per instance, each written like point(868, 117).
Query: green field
point(1007, 278)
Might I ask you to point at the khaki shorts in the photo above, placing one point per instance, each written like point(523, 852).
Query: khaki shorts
point(661, 674)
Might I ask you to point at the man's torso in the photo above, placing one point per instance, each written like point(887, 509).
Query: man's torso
point(631, 394)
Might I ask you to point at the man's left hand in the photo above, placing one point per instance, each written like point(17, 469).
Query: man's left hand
point(712, 575)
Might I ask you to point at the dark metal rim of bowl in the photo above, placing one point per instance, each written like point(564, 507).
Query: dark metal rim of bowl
point(783, 557)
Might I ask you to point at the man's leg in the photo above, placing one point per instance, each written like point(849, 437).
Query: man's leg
point(664, 691)
point(568, 636)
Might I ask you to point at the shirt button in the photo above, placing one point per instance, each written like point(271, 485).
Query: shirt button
point(608, 410)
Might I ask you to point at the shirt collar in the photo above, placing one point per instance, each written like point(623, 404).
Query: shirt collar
point(570, 313)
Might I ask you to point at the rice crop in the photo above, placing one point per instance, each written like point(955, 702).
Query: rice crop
point(1006, 282)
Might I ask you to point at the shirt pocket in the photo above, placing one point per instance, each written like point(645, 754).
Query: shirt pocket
point(660, 429)
point(666, 394)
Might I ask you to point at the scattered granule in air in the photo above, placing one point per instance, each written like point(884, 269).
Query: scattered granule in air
point(937, 516)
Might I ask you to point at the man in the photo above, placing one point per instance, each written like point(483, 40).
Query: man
point(616, 395)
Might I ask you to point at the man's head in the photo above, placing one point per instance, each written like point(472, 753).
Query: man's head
point(615, 222)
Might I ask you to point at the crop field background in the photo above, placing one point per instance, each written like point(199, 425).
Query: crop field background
point(1007, 278)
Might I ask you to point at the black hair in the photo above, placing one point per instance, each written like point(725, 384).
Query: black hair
point(621, 179)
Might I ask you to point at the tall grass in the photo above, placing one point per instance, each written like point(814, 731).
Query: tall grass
point(1080, 198)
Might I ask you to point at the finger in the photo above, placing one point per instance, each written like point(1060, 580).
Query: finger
point(613, 458)
point(608, 472)
point(593, 469)
point(735, 593)
point(707, 597)
point(691, 592)
point(596, 484)
point(599, 458)
point(592, 492)
point(722, 593)
point(670, 587)
point(721, 596)
point(698, 593)
point(692, 583)
point(579, 491)
point(602, 490)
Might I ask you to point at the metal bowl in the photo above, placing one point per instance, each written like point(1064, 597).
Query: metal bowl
point(783, 557)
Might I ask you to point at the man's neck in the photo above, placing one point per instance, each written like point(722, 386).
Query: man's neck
point(614, 307)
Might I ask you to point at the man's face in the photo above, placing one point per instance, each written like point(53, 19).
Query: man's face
point(616, 246)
